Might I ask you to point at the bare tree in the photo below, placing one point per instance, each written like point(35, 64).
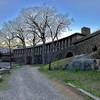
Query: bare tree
point(7, 39)
point(33, 40)
point(19, 32)
point(45, 22)
point(27, 35)
point(56, 26)
point(37, 18)
point(31, 16)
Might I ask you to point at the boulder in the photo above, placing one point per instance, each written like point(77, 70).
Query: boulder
point(82, 62)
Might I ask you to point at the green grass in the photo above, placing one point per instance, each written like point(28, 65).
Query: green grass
point(61, 63)
point(4, 83)
point(88, 80)
point(15, 66)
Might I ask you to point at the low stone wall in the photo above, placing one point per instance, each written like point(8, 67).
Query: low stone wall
point(84, 62)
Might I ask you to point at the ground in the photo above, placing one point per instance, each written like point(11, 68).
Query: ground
point(28, 83)
point(87, 80)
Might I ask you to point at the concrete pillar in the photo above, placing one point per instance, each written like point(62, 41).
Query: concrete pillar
point(38, 50)
point(29, 51)
point(63, 44)
point(55, 46)
point(68, 42)
point(48, 49)
point(59, 45)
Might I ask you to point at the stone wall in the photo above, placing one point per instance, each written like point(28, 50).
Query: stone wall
point(59, 50)
point(73, 45)
point(87, 45)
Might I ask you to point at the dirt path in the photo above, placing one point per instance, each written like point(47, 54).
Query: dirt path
point(28, 83)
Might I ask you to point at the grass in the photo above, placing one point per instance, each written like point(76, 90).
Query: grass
point(15, 66)
point(4, 83)
point(61, 63)
point(87, 80)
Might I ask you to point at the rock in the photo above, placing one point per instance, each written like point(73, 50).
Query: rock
point(82, 62)
point(65, 67)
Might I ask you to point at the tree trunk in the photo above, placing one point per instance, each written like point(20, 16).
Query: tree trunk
point(33, 54)
point(10, 58)
point(50, 65)
point(51, 56)
point(43, 47)
point(10, 54)
point(43, 52)
point(24, 53)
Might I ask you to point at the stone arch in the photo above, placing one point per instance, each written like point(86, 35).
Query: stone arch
point(69, 54)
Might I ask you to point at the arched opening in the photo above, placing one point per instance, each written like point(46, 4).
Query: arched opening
point(69, 54)
point(94, 48)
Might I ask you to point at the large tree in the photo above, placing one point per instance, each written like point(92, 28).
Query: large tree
point(19, 33)
point(45, 22)
point(7, 38)
point(32, 39)
point(29, 35)
point(56, 26)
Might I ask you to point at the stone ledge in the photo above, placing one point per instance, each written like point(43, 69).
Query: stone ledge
point(84, 92)
point(3, 70)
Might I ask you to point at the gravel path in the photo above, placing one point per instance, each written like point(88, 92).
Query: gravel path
point(28, 83)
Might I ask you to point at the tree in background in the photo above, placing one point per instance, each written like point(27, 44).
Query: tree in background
point(37, 24)
point(56, 26)
point(37, 18)
point(7, 39)
point(32, 39)
point(19, 33)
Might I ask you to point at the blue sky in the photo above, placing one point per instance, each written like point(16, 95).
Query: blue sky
point(84, 12)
